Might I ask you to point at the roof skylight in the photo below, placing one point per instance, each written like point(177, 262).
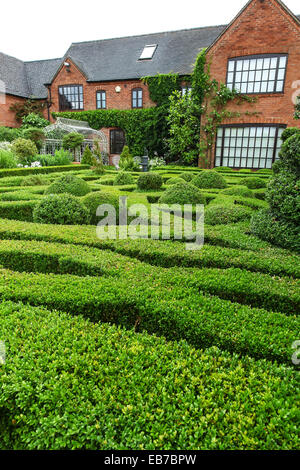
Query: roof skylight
point(148, 52)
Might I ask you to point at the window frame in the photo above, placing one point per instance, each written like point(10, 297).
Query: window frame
point(113, 142)
point(247, 125)
point(259, 56)
point(136, 90)
point(101, 99)
point(187, 88)
point(154, 46)
point(71, 86)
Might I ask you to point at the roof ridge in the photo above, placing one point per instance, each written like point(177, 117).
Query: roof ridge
point(41, 60)
point(149, 34)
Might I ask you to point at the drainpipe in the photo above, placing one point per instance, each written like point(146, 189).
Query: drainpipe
point(49, 101)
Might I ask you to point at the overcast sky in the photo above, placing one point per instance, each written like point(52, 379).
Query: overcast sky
point(36, 29)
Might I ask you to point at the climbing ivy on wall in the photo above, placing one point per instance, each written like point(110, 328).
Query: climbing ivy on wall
point(297, 108)
point(141, 126)
point(144, 128)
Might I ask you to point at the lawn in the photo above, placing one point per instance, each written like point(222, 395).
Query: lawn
point(142, 344)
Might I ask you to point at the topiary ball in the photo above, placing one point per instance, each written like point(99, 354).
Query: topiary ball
point(182, 193)
point(239, 191)
point(69, 184)
point(253, 183)
point(123, 178)
point(62, 209)
point(219, 215)
point(175, 181)
point(93, 200)
point(187, 176)
point(209, 179)
point(150, 181)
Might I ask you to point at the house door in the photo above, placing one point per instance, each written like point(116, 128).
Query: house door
point(117, 141)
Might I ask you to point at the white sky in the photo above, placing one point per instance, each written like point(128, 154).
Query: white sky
point(39, 29)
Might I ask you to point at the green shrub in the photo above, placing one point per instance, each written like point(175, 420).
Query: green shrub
point(209, 179)
point(290, 155)
point(238, 191)
point(36, 135)
point(87, 395)
point(95, 199)
point(265, 226)
point(176, 180)
point(34, 180)
point(126, 162)
point(60, 158)
point(34, 120)
point(69, 184)
point(87, 157)
point(123, 178)
point(283, 196)
point(216, 215)
point(19, 196)
point(288, 132)
point(18, 210)
point(182, 193)
point(187, 176)
point(149, 181)
point(25, 150)
point(73, 142)
point(253, 182)
point(7, 159)
point(41, 170)
point(62, 209)
point(9, 135)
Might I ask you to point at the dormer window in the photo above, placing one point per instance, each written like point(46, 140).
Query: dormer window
point(148, 52)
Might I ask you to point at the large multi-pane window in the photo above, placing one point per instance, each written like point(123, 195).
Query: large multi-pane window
point(252, 146)
point(257, 74)
point(137, 98)
point(70, 97)
point(186, 89)
point(101, 99)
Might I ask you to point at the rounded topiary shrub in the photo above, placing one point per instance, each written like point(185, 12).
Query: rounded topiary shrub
point(93, 200)
point(288, 132)
point(150, 181)
point(69, 184)
point(187, 176)
point(175, 181)
point(182, 193)
point(283, 196)
point(123, 178)
point(209, 179)
point(222, 215)
point(253, 182)
point(62, 209)
point(239, 191)
point(25, 150)
point(34, 180)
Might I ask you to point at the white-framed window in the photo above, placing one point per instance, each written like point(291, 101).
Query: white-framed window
point(148, 52)
point(257, 74)
point(137, 98)
point(248, 146)
point(101, 99)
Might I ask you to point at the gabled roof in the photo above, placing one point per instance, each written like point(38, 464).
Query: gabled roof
point(118, 59)
point(114, 59)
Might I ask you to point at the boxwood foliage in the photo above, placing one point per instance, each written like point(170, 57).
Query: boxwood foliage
point(254, 182)
point(123, 178)
point(209, 179)
point(41, 170)
point(174, 181)
point(93, 200)
point(182, 193)
point(88, 396)
point(215, 215)
point(175, 311)
point(17, 210)
point(63, 209)
point(68, 184)
point(149, 181)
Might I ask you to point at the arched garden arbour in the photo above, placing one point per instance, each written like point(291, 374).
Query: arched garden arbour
point(55, 132)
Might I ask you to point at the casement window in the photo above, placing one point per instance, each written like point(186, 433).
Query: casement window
point(70, 97)
point(137, 98)
point(248, 146)
point(185, 89)
point(257, 74)
point(101, 99)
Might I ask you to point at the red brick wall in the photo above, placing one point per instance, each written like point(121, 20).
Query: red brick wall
point(263, 28)
point(114, 100)
point(7, 117)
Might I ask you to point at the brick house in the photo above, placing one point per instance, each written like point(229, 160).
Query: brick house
point(257, 53)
